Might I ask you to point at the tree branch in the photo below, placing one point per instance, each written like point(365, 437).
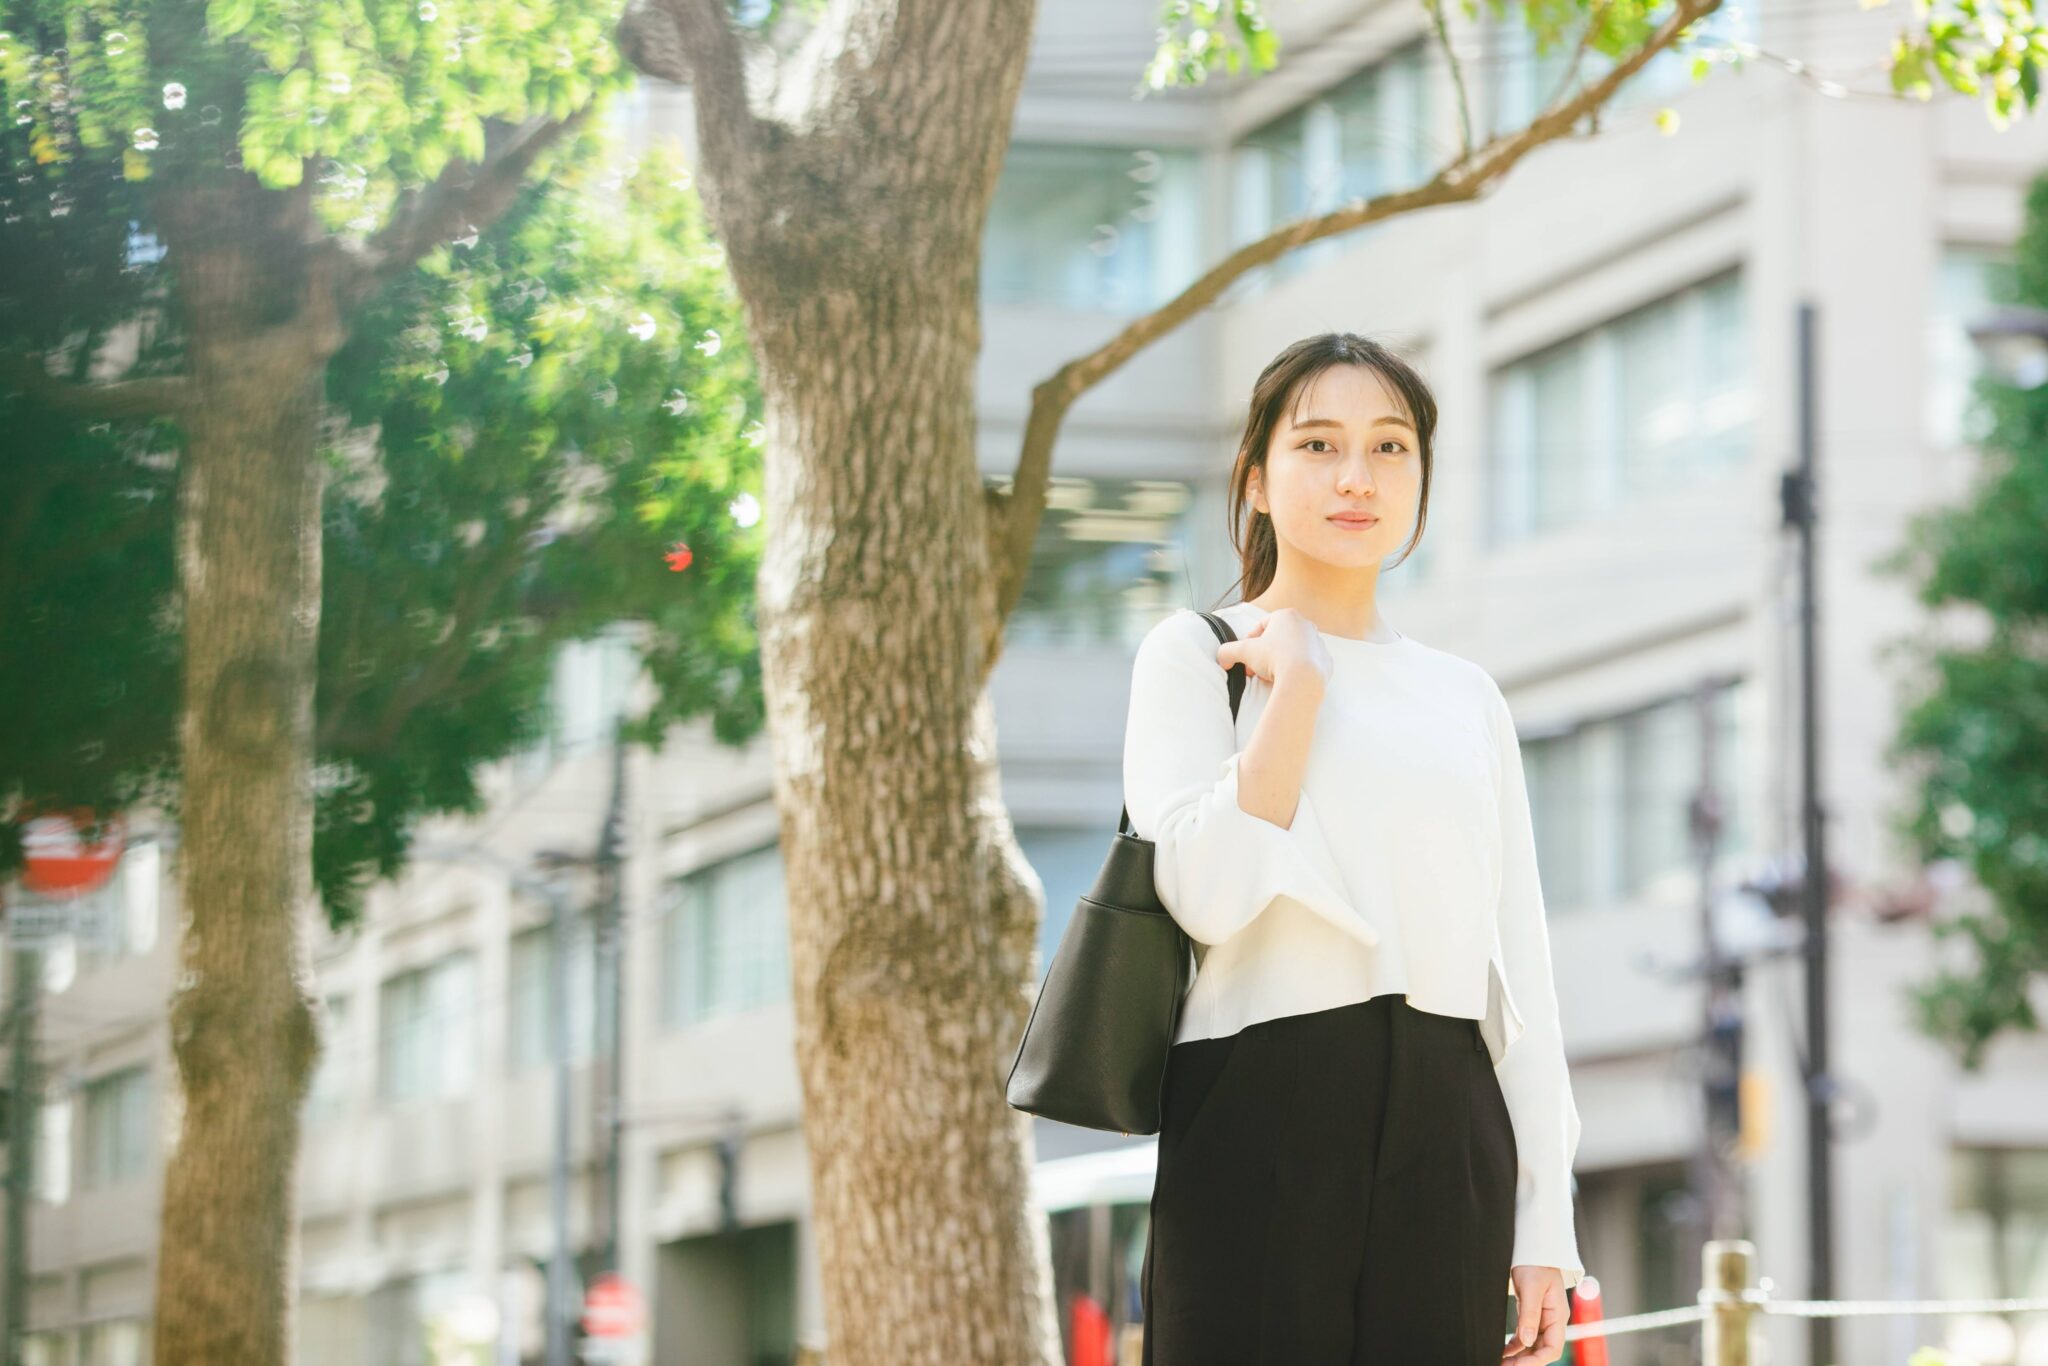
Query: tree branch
point(693, 42)
point(440, 669)
point(461, 197)
point(151, 396)
point(1014, 516)
point(1443, 37)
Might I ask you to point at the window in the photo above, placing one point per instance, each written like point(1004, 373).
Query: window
point(725, 939)
point(1993, 1244)
point(117, 1342)
point(591, 684)
point(426, 1043)
point(1611, 800)
point(1365, 137)
point(1107, 560)
point(1525, 80)
point(53, 1152)
point(1970, 282)
point(329, 1090)
point(532, 997)
point(117, 1138)
point(46, 1349)
point(1108, 228)
point(115, 921)
point(1645, 403)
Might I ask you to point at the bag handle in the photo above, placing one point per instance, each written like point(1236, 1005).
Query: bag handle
point(1237, 679)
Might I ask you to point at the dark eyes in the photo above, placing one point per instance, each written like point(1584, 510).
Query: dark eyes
point(1390, 441)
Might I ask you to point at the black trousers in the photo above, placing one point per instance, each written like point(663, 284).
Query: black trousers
point(1335, 1188)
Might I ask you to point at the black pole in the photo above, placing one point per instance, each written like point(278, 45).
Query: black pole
point(1720, 975)
point(611, 963)
point(1801, 511)
point(22, 1094)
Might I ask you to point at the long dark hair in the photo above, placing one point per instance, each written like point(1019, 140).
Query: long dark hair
point(1279, 385)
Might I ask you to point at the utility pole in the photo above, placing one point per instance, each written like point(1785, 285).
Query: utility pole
point(1798, 494)
point(1721, 1037)
point(609, 1002)
point(25, 985)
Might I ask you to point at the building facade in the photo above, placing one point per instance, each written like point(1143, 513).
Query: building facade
point(1611, 336)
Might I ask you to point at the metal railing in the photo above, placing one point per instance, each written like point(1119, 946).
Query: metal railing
point(1731, 1307)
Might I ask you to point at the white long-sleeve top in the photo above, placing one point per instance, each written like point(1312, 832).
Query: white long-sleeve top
point(1410, 866)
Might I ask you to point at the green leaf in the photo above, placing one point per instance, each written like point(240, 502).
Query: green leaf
point(225, 18)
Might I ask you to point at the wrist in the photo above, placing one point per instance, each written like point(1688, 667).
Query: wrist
point(1303, 679)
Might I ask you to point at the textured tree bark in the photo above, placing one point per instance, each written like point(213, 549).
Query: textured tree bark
point(852, 218)
point(241, 1014)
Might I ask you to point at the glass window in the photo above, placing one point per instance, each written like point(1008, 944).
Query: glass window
point(725, 939)
point(1643, 403)
point(1367, 136)
point(426, 1044)
point(1993, 1244)
point(53, 1152)
point(1098, 228)
point(592, 682)
point(1107, 560)
point(1611, 799)
point(1525, 70)
point(1970, 281)
point(46, 1349)
point(117, 1146)
point(328, 1092)
point(115, 921)
point(119, 1342)
point(532, 998)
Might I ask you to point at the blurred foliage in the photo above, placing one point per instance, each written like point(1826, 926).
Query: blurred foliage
point(1993, 49)
point(1977, 735)
point(384, 91)
point(524, 426)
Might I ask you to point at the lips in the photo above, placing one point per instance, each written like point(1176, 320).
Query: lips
point(1358, 522)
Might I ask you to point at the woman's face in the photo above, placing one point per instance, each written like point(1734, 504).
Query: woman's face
point(1345, 448)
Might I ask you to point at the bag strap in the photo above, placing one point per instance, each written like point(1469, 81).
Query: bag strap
point(1237, 680)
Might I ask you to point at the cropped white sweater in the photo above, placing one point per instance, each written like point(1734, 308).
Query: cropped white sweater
point(1410, 867)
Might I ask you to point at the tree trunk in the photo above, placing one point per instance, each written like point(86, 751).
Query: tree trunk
point(853, 230)
point(913, 916)
point(241, 1014)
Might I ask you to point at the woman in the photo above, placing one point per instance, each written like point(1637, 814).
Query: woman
point(1368, 1126)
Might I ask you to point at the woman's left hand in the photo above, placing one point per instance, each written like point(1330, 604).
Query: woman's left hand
point(1539, 1327)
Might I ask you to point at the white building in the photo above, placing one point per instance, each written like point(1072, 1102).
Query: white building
point(1611, 337)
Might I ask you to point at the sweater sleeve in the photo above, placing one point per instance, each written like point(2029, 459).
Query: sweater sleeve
point(1534, 1078)
point(1214, 865)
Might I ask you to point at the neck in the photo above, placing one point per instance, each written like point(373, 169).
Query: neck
point(1343, 604)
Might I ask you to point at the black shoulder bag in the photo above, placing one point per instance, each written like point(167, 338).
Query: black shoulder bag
point(1094, 1050)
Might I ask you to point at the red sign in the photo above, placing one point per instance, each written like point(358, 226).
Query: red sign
point(58, 860)
point(612, 1308)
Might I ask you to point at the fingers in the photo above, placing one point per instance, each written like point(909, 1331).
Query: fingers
point(1226, 655)
point(1539, 1335)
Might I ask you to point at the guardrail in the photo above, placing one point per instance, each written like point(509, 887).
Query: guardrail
point(1730, 1306)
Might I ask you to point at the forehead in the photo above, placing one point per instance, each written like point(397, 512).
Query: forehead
point(1344, 394)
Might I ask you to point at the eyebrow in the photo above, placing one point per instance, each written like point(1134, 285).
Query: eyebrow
point(1386, 420)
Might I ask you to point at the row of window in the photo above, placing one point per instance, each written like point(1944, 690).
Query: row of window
point(1610, 800)
point(1118, 228)
point(1641, 404)
point(723, 946)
